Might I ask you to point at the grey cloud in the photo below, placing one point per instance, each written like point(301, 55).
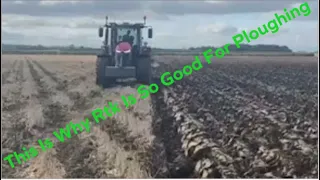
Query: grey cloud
point(117, 8)
point(11, 38)
point(78, 22)
point(228, 30)
point(217, 29)
point(18, 21)
point(226, 7)
point(314, 12)
point(34, 8)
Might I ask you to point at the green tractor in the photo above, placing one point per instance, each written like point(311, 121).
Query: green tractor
point(123, 54)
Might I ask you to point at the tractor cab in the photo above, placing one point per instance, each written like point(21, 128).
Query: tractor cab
point(123, 52)
point(116, 33)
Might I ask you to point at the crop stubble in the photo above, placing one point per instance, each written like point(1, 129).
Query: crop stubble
point(238, 117)
point(101, 153)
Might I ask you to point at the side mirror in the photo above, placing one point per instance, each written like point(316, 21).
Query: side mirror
point(100, 32)
point(149, 33)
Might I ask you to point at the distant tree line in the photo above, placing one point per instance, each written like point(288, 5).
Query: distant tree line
point(41, 47)
point(244, 49)
point(248, 48)
point(232, 48)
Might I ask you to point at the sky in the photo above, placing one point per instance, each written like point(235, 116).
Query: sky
point(175, 23)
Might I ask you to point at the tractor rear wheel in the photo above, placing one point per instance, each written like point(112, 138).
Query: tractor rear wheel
point(143, 70)
point(101, 78)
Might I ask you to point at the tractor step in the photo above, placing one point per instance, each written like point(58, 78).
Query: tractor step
point(120, 72)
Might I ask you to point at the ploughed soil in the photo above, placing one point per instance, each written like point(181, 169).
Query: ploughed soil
point(249, 117)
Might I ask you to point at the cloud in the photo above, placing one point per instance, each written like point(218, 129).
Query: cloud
point(217, 28)
point(12, 38)
point(313, 15)
point(19, 21)
point(71, 8)
point(167, 8)
point(218, 7)
point(18, 2)
point(51, 36)
point(52, 3)
point(176, 23)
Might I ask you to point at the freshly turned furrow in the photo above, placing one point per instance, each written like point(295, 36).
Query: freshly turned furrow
point(268, 111)
point(271, 91)
point(264, 138)
point(277, 89)
point(206, 116)
point(283, 76)
point(271, 111)
point(210, 160)
point(239, 83)
point(243, 120)
point(244, 114)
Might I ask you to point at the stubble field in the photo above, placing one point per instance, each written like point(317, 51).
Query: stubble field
point(237, 117)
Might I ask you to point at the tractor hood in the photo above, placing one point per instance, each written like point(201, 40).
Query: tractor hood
point(123, 47)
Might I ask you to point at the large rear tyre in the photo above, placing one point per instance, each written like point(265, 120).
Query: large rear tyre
point(143, 70)
point(101, 79)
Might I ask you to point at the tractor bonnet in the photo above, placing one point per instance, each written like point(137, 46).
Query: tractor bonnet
point(124, 47)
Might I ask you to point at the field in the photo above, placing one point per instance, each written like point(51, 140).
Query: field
point(246, 116)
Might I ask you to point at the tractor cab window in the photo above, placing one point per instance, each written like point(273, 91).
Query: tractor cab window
point(128, 34)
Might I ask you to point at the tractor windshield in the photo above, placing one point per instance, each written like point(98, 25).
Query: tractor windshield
point(128, 34)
